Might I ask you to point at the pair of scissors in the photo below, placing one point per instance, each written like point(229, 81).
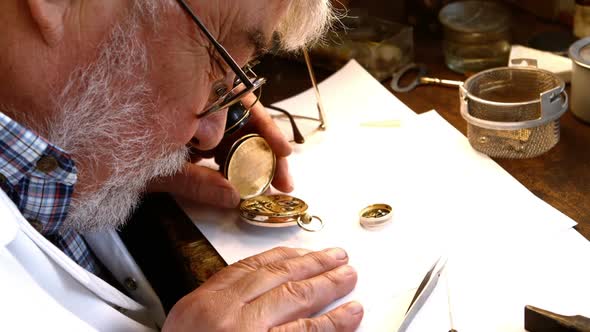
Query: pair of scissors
point(423, 292)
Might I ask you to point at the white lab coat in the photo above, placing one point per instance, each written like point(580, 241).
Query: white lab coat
point(41, 289)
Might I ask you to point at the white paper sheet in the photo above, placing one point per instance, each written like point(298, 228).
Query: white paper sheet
point(446, 197)
point(350, 96)
point(489, 287)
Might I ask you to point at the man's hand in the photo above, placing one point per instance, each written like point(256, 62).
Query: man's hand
point(203, 185)
point(261, 123)
point(277, 290)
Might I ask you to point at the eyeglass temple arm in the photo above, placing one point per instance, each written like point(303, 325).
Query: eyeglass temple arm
point(319, 103)
point(297, 137)
point(228, 59)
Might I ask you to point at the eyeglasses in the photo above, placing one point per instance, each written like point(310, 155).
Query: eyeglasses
point(247, 82)
point(243, 84)
point(298, 137)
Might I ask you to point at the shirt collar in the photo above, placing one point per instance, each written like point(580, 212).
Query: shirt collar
point(23, 153)
point(39, 178)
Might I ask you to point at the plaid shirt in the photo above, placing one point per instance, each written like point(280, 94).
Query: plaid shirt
point(40, 179)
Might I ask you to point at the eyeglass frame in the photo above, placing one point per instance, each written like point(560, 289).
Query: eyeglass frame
point(251, 86)
point(223, 102)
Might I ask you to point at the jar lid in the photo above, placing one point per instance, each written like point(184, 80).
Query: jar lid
point(250, 166)
point(475, 16)
point(580, 52)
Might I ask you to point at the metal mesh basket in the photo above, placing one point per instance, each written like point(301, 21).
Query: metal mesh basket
point(513, 112)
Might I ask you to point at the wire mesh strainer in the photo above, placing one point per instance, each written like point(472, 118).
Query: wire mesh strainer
point(513, 112)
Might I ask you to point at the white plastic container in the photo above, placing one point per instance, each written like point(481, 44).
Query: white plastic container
point(580, 54)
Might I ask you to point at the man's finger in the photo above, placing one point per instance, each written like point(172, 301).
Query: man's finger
point(267, 128)
point(200, 184)
point(296, 299)
point(244, 267)
point(342, 319)
point(282, 179)
point(279, 272)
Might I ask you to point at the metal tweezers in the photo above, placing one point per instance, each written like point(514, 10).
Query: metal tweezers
point(424, 290)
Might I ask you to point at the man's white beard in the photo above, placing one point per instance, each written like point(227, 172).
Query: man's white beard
point(107, 119)
point(306, 21)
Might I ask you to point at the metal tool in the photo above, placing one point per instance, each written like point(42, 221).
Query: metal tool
point(539, 320)
point(420, 79)
point(424, 290)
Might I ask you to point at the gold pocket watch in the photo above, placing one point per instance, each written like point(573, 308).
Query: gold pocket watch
point(250, 166)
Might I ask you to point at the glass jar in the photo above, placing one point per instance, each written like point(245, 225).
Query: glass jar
point(476, 35)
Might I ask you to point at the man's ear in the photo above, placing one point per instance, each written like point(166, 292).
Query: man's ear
point(49, 16)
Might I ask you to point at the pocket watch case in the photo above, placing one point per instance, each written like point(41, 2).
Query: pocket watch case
point(250, 167)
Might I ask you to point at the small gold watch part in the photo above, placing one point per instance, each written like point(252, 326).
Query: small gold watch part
point(375, 215)
point(274, 206)
point(278, 211)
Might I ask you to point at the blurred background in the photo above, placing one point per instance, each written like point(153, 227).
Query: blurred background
point(385, 35)
point(423, 14)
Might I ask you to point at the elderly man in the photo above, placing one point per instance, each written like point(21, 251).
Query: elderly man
point(98, 99)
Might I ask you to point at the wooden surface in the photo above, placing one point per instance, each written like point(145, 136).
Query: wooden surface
point(177, 258)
